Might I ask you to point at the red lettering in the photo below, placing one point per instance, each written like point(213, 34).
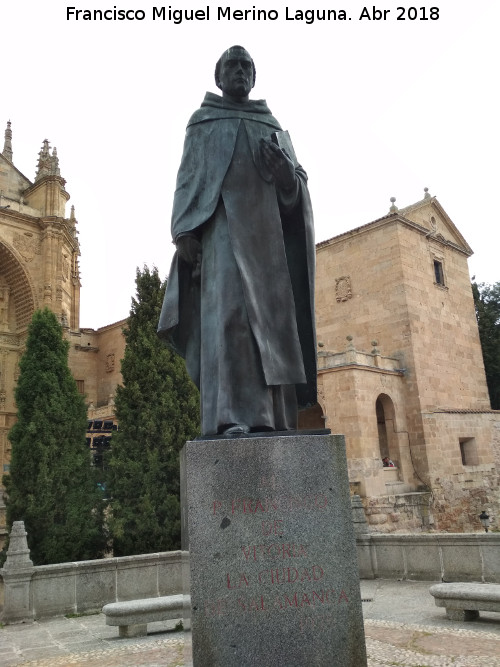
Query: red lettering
point(305, 575)
point(293, 602)
point(264, 505)
point(217, 608)
point(253, 605)
point(320, 597)
point(321, 501)
point(247, 506)
point(249, 552)
point(235, 504)
point(317, 572)
point(270, 527)
point(276, 548)
point(305, 600)
point(258, 505)
point(343, 596)
point(260, 574)
point(290, 569)
point(242, 580)
point(257, 605)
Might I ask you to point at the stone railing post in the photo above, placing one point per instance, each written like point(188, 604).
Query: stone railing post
point(16, 573)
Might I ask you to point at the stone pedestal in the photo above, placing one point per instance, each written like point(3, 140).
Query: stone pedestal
point(274, 577)
point(16, 575)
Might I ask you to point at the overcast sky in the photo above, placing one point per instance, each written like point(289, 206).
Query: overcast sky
point(375, 109)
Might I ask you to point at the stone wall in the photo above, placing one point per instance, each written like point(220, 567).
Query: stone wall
point(464, 467)
point(85, 586)
point(436, 557)
point(95, 359)
point(405, 512)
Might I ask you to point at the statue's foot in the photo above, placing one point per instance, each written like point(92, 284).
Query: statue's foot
point(236, 429)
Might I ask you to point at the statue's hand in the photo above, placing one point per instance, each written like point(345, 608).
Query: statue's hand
point(189, 248)
point(279, 164)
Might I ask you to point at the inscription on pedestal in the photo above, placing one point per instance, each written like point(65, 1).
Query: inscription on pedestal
point(272, 553)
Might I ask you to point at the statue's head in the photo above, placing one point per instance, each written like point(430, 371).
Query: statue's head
point(235, 73)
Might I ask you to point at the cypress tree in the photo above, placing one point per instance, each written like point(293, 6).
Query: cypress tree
point(158, 410)
point(51, 485)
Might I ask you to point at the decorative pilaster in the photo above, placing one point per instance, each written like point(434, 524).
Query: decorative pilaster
point(4, 306)
point(3, 385)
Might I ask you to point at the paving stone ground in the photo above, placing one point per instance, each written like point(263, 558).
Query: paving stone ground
point(403, 628)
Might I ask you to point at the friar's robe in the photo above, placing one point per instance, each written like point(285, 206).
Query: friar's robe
point(247, 327)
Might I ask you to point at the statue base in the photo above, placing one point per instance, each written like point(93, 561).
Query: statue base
point(272, 553)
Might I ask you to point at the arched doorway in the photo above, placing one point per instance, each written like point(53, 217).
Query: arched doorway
point(388, 443)
point(311, 418)
point(17, 305)
point(18, 300)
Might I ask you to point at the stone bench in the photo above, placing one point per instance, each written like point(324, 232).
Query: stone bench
point(463, 601)
point(133, 616)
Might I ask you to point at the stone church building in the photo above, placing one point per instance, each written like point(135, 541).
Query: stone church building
point(39, 253)
point(400, 370)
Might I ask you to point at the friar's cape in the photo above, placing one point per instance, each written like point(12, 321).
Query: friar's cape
point(208, 150)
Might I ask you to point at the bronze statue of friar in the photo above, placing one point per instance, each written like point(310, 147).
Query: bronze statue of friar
point(239, 303)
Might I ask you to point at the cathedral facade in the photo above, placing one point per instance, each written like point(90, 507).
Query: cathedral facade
point(39, 253)
point(400, 369)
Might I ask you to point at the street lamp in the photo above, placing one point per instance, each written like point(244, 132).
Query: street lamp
point(485, 520)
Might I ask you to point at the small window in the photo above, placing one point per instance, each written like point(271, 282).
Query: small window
point(438, 272)
point(468, 451)
point(80, 385)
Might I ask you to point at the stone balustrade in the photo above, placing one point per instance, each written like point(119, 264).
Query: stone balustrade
point(44, 591)
point(86, 586)
point(430, 556)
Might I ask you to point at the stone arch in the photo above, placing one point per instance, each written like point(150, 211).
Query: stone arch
point(312, 418)
point(21, 291)
point(386, 426)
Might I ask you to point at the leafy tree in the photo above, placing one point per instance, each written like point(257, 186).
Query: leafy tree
point(158, 410)
point(51, 485)
point(487, 303)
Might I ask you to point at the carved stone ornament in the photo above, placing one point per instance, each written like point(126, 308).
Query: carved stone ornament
point(110, 363)
point(343, 290)
point(65, 269)
point(27, 246)
point(9, 338)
